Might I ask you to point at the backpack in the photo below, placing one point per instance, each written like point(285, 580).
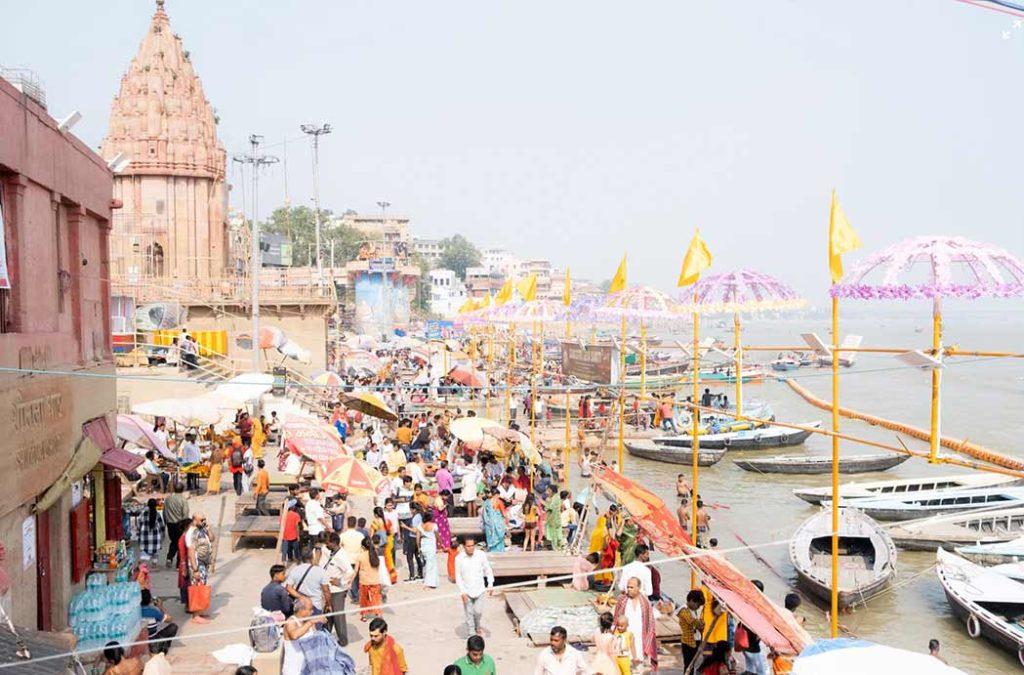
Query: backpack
point(264, 633)
point(236, 457)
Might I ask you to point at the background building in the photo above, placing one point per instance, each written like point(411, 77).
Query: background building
point(501, 262)
point(428, 249)
point(447, 293)
point(55, 217)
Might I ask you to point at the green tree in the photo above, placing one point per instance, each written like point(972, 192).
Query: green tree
point(458, 253)
point(422, 300)
point(298, 223)
point(605, 285)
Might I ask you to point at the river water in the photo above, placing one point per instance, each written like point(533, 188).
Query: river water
point(982, 400)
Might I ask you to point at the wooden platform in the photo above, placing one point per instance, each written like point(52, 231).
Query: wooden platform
point(255, 526)
point(247, 503)
point(540, 564)
point(521, 603)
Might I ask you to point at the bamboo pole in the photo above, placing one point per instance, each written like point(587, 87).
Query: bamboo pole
point(508, 377)
point(622, 398)
point(834, 609)
point(568, 410)
point(643, 358)
point(739, 363)
point(694, 435)
point(936, 408)
point(538, 354)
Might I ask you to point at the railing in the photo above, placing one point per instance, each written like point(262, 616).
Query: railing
point(225, 290)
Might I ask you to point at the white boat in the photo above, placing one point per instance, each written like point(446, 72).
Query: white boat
point(936, 502)
point(867, 556)
point(989, 603)
point(900, 486)
point(759, 438)
point(997, 553)
point(983, 526)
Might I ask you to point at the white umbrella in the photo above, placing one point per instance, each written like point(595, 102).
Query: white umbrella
point(190, 412)
point(138, 431)
point(844, 656)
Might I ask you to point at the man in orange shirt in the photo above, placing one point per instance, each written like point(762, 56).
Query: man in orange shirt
point(385, 655)
point(261, 487)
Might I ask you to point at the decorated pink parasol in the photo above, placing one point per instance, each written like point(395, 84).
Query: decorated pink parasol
point(737, 292)
point(932, 268)
point(640, 303)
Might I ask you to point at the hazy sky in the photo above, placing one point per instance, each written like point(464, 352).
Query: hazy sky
point(577, 130)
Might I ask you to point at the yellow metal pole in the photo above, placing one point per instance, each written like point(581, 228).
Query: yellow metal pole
point(834, 613)
point(739, 363)
point(643, 359)
point(936, 412)
point(568, 410)
point(490, 364)
point(694, 435)
point(622, 398)
point(538, 353)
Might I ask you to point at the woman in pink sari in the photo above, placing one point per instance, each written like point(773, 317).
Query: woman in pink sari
point(440, 512)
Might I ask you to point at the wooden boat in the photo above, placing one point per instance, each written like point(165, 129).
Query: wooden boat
point(984, 526)
point(997, 553)
point(821, 463)
point(905, 486)
point(989, 603)
point(746, 439)
point(675, 367)
point(785, 364)
point(661, 453)
point(936, 502)
point(867, 556)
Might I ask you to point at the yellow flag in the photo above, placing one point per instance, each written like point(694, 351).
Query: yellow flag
point(698, 259)
point(467, 306)
point(619, 280)
point(841, 238)
point(504, 294)
point(567, 291)
point(528, 287)
point(484, 302)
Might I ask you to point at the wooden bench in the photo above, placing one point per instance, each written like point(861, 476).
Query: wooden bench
point(540, 564)
point(247, 502)
point(255, 526)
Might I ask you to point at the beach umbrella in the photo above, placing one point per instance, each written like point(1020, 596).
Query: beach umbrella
point(271, 337)
point(467, 377)
point(933, 268)
point(735, 293)
point(189, 412)
point(351, 475)
point(846, 656)
point(326, 378)
point(313, 439)
point(470, 429)
point(138, 431)
point(369, 404)
point(525, 443)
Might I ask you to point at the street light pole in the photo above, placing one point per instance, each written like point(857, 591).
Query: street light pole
point(256, 160)
point(315, 132)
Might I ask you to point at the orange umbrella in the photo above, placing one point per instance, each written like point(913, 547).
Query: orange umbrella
point(466, 376)
point(351, 475)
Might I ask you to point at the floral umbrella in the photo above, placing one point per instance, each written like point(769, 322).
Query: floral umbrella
point(736, 292)
point(932, 268)
point(350, 475)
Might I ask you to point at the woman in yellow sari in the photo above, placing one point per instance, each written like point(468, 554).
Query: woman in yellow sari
point(598, 540)
point(259, 437)
point(216, 466)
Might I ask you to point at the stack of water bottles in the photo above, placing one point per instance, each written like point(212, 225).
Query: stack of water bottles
point(105, 612)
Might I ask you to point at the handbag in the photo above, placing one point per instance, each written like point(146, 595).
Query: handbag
point(198, 598)
point(741, 638)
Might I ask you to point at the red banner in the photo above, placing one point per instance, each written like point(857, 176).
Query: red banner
point(313, 439)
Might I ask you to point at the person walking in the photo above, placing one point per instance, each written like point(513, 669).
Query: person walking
point(307, 580)
point(368, 569)
point(339, 570)
point(385, 655)
point(261, 488)
point(236, 465)
point(558, 658)
point(176, 519)
point(427, 535)
point(190, 456)
point(216, 468)
point(476, 662)
point(151, 531)
point(473, 576)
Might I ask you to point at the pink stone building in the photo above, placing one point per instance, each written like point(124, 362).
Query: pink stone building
point(55, 207)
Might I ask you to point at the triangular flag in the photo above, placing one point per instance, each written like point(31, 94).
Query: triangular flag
point(567, 289)
point(504, 294)
point(467, 306)
point(619, 280)
point(841, 238)
point(528, 287)
point(698, 259)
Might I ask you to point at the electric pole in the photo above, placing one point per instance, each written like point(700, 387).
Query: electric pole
point(256, 160)
point(315, 132)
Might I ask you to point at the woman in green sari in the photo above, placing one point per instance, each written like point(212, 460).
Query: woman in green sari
point(553, 520)
point(627, 541)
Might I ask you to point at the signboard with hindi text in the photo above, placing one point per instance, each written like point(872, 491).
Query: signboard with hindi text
point(592, 363)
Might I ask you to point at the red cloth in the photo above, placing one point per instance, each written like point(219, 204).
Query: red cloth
point(182, 561)
point(648, 641)
point(291, 526)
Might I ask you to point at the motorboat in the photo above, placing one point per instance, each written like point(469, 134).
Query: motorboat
point(673, 455)
point(902, 486)
point(936, 502)
point(990, 604)
point(995, 553)
point(867, 556)
point(981, 526)
point(785, 364)
point(803, 464)
point(756, 438)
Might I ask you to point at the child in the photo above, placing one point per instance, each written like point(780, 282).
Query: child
point(625, 648)
point(530, 518)
point(682, 487)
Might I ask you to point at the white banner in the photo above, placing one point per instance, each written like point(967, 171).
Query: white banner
point(5, 277)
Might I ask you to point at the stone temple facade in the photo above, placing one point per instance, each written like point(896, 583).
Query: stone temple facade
point(172, 224)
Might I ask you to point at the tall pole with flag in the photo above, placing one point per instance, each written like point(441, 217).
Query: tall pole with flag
point(619, 284)
point(696, 260)
point(841, 239)
point(567, 300)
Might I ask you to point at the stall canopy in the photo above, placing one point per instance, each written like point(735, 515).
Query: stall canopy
point(245, 388)
point(312, 439)
point(189, 412)
point(776, 627)
point(97, 440)
point(134, 429)
point(348, 474)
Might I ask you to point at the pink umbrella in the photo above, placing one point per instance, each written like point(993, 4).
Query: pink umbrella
point(134, 429)
point(736, 292)
point(932, 268)
point(271, 337)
